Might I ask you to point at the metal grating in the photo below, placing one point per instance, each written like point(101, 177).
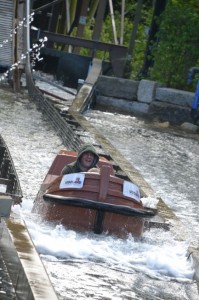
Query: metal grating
point(7, 171)
point(6, 27)
point(69, 138)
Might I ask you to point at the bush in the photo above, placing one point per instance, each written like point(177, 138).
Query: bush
point(177, 49)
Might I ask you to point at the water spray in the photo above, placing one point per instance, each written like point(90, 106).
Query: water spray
point(35, 50)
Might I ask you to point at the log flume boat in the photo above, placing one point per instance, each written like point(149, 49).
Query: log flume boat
point(10, 189)
point(91, 201)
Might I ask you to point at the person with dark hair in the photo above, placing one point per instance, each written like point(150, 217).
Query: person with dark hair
point(87, 159)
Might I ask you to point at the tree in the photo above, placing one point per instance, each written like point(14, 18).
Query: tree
point(159, 7)
point(178, 47)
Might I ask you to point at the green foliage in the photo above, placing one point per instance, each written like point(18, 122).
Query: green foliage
point(108, 37)
point(141, 36)
point(177, 49)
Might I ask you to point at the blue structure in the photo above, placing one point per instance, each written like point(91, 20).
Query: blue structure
point(195, 104)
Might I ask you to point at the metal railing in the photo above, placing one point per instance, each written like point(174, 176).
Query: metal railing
point(8, 175)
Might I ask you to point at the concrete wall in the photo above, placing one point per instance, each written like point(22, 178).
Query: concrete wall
point(144, 97)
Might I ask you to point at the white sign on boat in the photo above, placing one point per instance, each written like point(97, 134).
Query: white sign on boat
point(74, 180)
point(131, 190)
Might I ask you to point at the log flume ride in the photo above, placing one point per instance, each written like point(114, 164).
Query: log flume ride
point(95, 201)
point(10, 189)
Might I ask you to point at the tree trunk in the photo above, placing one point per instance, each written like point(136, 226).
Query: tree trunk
point(159, 7)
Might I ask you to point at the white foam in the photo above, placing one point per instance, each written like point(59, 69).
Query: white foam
point(166, 260)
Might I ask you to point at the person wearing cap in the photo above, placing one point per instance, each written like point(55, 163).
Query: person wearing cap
point(87, 159)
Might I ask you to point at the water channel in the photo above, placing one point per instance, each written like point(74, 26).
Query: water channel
point(88, 266)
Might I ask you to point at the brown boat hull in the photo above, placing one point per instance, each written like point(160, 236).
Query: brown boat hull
point(99, 205)
point(83, 219)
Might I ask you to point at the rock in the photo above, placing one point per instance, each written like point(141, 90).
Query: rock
point(162, 124)
point(190, 127)
point(146, 91)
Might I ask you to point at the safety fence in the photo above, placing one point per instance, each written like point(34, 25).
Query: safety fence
point(64, 130)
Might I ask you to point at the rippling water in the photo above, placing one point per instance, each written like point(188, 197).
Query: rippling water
point(83, 266)
point(169, 161)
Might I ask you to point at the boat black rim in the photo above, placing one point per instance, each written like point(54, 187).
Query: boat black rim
point(107, 207)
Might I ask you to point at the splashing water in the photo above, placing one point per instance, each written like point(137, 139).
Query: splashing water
point(88, 265)
point(35, 50)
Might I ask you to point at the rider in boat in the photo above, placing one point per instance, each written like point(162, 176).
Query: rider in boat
point(87, 159)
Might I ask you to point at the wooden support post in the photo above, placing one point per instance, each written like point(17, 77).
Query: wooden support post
point(122, 23)
point(82, 22)
point(68, 18)
point(113, 22)
point(53, 22)
point(99, 20)
point(133, 36)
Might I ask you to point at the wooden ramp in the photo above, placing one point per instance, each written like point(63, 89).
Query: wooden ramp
point(26, 271)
